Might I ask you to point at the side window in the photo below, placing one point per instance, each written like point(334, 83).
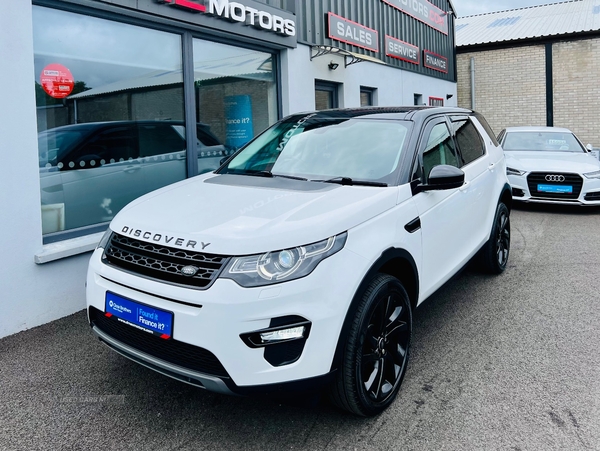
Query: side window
point(469, 141)
point(108, 146)
point(159, 139)
point(440, 149)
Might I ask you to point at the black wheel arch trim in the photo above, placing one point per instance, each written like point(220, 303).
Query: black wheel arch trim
point(506, 196)
point(387, 257)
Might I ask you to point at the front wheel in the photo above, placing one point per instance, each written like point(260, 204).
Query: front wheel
point(376, 352)
point(494, 255)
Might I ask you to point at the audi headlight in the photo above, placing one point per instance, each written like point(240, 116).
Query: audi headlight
point(281, 266)
point(513, 171)
point(593, 175)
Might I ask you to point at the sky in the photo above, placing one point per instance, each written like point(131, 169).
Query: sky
point(471, 7)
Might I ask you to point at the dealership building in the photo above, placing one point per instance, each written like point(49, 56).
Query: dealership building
point(533, 66)
point(106, 100)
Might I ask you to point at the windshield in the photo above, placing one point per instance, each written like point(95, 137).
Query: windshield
point(542, 141)
point(325, 148)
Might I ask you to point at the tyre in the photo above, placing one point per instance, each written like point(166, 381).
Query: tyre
point(375, 355)
point(494, 254)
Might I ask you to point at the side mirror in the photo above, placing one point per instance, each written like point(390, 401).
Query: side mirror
point(443, 177)
point(589, 147)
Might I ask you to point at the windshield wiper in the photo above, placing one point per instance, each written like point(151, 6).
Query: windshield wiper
point(349, 182)
point(269, 174)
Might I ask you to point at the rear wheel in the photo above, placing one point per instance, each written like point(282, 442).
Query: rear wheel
point(494, 254)
point(376, 351)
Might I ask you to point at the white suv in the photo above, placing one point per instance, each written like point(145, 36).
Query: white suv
point(298, 263)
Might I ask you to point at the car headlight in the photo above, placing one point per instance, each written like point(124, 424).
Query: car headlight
point(513, 171)
point(104, 240)
point(281, 266)
point(593, 175)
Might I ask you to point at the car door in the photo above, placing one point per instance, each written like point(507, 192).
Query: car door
point(445, 218)
point(479, 179)
point(101, 176)
point(162, 154)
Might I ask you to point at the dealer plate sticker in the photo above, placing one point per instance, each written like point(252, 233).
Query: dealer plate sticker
point(559, 189)
point(149, 319)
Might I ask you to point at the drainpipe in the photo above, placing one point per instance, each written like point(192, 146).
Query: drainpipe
point(472, 83)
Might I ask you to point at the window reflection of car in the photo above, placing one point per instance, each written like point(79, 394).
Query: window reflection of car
point(550, 165)
point(90, 171)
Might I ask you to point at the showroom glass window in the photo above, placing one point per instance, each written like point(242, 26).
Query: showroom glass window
point(110, 115)
point(236, 99)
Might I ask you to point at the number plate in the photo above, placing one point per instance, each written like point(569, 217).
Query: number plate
point(149, 319)
point(559, 189)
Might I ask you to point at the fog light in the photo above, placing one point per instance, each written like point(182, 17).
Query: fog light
point(296, 330)
point(292, 333)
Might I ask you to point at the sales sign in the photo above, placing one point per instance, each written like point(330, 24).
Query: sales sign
point(401, 50)
point(435, 61)
point(352, 33)
point(424, 11)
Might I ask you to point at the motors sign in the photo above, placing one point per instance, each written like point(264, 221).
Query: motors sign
point(244, 13)
point(352, 33)
point(424, 11)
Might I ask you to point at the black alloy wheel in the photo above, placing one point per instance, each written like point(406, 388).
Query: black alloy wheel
point(503, 239)
point(376, 354)
point(494, 256)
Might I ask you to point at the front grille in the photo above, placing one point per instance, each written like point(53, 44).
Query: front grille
point(593, 196)
point(539, 178)
point(163, 263)
point(172, 351)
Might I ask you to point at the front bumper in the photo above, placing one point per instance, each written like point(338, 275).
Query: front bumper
point(213, 320)
point(588, 196)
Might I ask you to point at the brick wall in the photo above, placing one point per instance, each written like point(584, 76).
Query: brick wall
point(576, 85)
point(510, 85)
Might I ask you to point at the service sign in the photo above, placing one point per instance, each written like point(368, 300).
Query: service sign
point(401, 50)
point(353, 33)
point(435, 61)
point(424, 11)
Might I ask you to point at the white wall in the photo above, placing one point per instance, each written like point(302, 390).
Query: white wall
point(394, 87)
point(30, 294)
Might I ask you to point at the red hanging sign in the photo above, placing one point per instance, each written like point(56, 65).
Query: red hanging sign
point(57, 80)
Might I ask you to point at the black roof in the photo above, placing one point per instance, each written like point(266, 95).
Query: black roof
point(377, 112)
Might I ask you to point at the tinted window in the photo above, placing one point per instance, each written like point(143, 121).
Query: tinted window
point(157, 139)
point(469, 141)
point(439, 150)
point(107, 146)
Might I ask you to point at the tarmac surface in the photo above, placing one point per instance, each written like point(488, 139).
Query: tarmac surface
point(498, 363)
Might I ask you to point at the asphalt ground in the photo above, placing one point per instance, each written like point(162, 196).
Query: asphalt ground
point(498, 363)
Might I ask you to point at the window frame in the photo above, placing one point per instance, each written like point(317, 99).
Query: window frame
point(187, 33)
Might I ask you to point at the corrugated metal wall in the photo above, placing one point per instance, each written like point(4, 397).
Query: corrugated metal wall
point(380, 16)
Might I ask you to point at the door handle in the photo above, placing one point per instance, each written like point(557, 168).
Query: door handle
point(491, 167)
point(132, 169)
